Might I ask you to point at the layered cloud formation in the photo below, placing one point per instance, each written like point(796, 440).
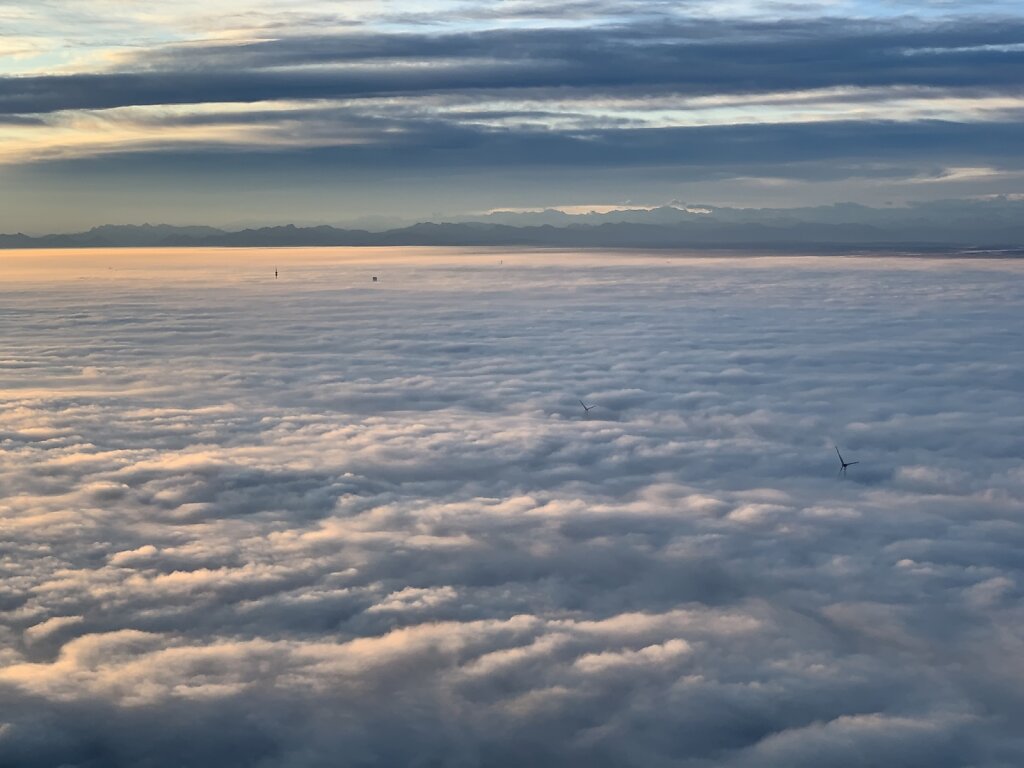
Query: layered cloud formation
point(347, 109)
point(319, 520)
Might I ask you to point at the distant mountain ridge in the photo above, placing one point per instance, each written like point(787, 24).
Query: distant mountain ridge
point(943, 224)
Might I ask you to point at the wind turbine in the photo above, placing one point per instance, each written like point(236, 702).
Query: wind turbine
point(587, 408)
point(844, 464)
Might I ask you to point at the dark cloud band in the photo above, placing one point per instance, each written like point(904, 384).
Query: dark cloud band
point(692, 60)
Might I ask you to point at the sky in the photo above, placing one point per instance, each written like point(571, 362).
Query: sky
point(320, 520)
point(250, 111)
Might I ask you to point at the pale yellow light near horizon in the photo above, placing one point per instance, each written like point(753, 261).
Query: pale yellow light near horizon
point(216, 267)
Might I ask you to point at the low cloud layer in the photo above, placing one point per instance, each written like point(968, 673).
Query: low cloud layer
point(318, 520)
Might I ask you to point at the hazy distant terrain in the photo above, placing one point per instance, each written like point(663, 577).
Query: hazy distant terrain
point(318, 521)
point(950, 224)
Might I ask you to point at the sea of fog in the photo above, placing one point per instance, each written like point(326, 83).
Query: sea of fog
point(321, 521)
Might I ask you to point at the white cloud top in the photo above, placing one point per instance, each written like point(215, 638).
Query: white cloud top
point(258, 522)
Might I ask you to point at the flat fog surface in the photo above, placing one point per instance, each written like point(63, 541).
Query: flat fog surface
point(317, 521)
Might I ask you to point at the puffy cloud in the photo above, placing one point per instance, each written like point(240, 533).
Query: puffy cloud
point(289, 520)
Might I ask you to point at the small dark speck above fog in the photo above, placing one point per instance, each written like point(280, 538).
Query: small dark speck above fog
point(304, 521)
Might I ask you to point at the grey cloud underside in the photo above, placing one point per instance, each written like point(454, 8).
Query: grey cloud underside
point(418, 123)
point(251, 522)
point(695, 59)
